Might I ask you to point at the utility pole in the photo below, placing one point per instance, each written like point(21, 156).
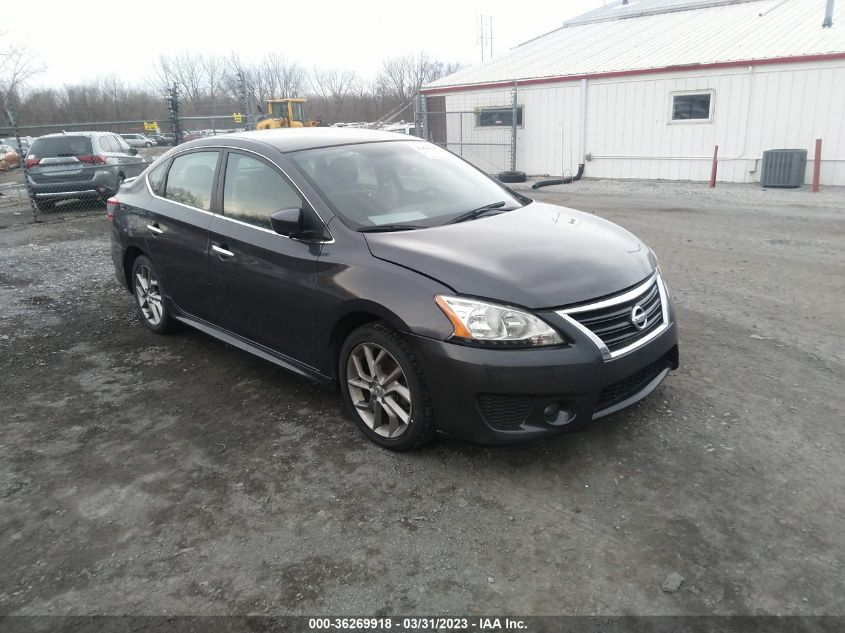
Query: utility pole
point(490, 37)
point(172, 97)
point(485, 38)
point(248, 106)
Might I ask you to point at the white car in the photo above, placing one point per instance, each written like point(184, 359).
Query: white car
point(138, 140)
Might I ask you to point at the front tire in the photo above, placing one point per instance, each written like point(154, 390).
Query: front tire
point(149, 296)
point(384, 388)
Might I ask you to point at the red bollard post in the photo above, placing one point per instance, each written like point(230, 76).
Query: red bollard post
point(817, 165)
point(715, 164)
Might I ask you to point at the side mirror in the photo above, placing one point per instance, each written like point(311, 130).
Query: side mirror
point(287, 222)
point(133, 151)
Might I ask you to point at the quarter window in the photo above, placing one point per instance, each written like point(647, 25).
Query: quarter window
point(498, 117)
point(156, 178)
point(692, 107)
point(106, 144)
point(190, 179)
point(253, 191)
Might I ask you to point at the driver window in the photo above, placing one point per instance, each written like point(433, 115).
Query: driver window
point(253, 191)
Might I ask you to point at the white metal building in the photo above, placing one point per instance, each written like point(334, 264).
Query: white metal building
point(646, 90)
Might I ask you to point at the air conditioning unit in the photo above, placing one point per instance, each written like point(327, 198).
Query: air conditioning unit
point(783, 167)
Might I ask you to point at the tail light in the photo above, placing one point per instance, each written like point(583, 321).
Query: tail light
point(92, 160)
point(31, 162)
point(111, 205)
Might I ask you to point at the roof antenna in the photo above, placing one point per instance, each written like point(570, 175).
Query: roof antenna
point(828, 15)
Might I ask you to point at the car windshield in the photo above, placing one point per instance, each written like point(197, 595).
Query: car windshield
point(395, 183)
point(61, 146)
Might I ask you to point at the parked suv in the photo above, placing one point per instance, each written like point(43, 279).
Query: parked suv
point(79, 165)
point(138, 140)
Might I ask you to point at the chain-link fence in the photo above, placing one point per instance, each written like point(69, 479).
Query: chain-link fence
point(54, 168)
point(486, 137)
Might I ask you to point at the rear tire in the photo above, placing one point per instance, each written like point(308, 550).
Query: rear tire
point(149, 296)
point(45, 206)
point(384, 388)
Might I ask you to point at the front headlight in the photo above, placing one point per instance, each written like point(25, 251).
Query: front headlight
point(495, 325)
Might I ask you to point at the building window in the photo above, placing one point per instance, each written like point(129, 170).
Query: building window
point(498, 117)
point(692, 106)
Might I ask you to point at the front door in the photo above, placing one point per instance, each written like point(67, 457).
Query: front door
point(263, 283)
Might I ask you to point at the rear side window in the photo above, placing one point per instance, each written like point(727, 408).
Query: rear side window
point(253, 191)
point(190, 179)
point(61, 146)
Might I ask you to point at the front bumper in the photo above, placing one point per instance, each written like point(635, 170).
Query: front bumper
point(501, 396)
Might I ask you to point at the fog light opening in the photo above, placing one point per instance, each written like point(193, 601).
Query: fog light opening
point(557, 414)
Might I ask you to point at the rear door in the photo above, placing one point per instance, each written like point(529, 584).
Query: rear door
point(263, 283)
point(133, 164)
point(177, 230)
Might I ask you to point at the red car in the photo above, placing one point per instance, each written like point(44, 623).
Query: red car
point(9, 158)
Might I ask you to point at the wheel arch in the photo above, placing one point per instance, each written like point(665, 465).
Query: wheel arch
point(357, 314)
point(132, 253)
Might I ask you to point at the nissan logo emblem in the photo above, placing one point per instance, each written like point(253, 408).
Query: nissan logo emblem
point(638, 317)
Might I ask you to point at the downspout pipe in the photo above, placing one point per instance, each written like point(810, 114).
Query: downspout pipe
point(560, 181)
point(828, 15)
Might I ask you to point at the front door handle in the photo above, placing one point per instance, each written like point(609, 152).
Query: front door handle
point(222, 251)
point(155, 229)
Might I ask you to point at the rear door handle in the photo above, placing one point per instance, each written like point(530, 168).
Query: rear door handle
point(222, 251)
point(155, 228)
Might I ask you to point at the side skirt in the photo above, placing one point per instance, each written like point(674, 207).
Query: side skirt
point(258, 350)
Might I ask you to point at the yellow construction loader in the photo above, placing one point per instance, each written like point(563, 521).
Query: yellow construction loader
point(285, 113)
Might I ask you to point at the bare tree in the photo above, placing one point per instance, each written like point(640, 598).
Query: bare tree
point(402, 77)
point(18, 65)
point(286, 77)
point(214, 67)
point(334, 86)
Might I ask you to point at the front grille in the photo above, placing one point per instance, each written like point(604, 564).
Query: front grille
point(614, 325)
point(503, 411)
point(631, 385)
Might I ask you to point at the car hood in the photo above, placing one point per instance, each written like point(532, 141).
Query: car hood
point(539, 256)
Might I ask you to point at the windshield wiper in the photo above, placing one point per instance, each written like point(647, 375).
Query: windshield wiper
point(386, 228)
point(476, 213)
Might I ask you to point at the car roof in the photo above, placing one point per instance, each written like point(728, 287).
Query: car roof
point(57, 134)
point(296, 139)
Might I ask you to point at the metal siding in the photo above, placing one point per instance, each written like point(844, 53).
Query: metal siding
point(779, 106)
point(763, 29)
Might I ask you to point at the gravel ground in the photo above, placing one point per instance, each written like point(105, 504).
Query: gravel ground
point(151, 475)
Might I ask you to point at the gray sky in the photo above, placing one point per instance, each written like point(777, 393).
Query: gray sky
point(78, 41)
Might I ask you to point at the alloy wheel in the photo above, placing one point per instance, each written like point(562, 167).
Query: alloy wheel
point(379, 390)
point(148, 294)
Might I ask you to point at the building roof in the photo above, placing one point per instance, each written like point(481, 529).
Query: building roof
point(652, 35)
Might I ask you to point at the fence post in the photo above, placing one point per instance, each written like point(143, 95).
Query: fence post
point(12, 113)
point(424, 117)
point(514, 110)
point(417, 122)
point(817, 165)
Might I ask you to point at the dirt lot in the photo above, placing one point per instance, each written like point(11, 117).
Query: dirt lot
point(150, 475)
